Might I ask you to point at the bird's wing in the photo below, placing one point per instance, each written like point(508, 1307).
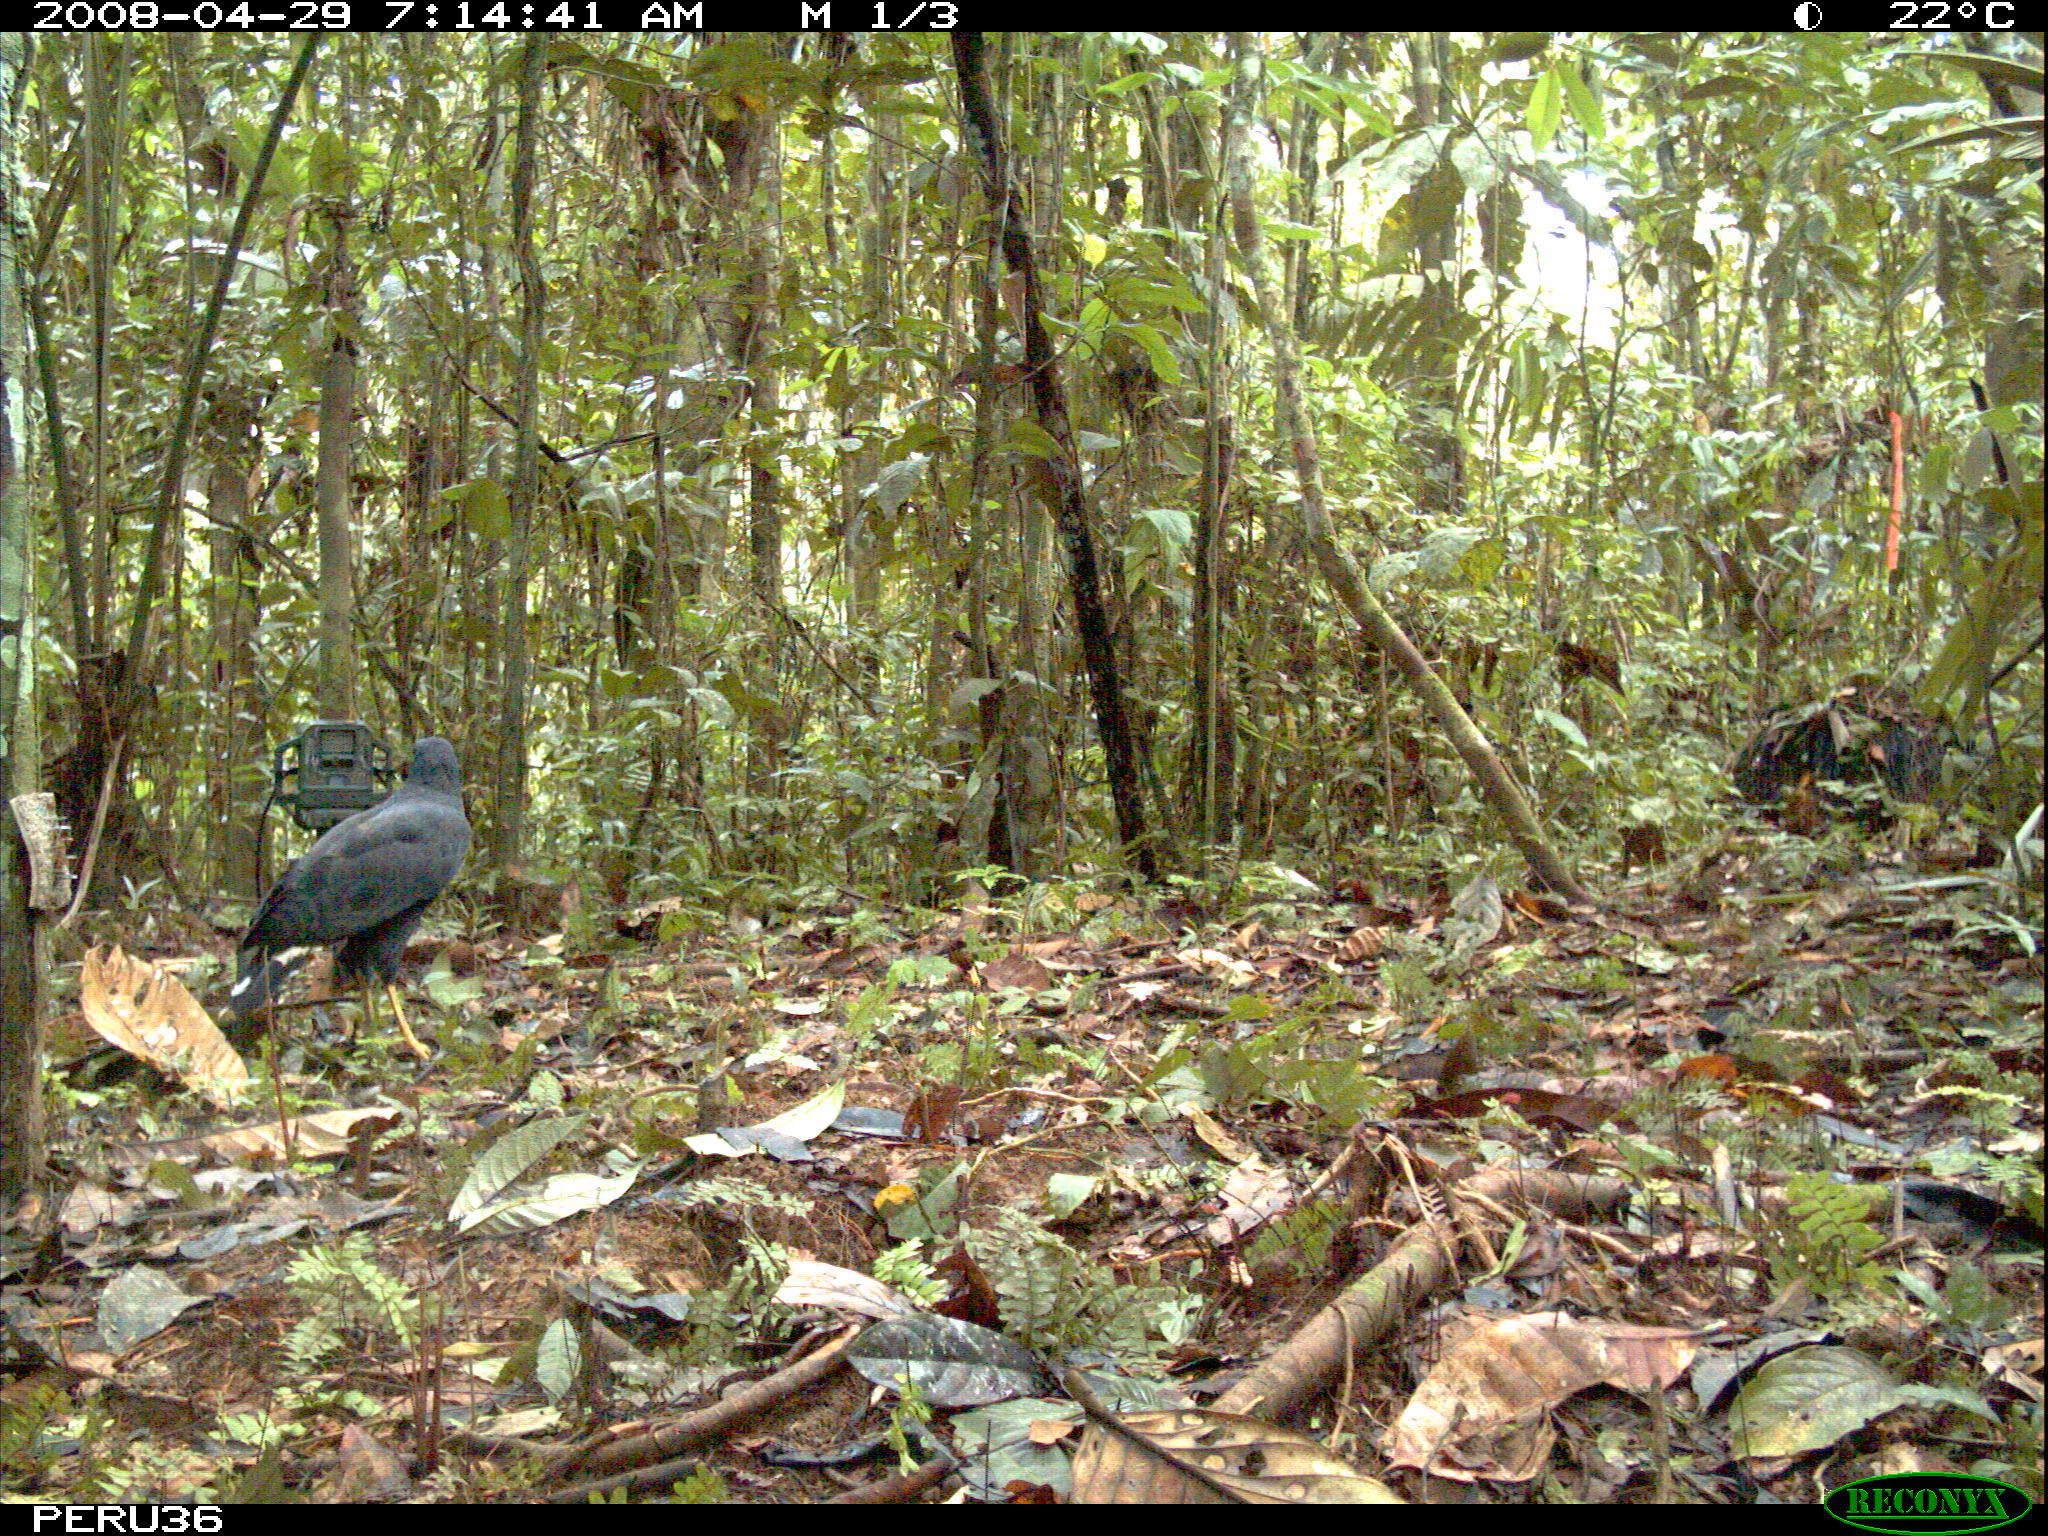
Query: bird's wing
point(365, 872)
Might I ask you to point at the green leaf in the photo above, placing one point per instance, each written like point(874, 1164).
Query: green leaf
point(558, 1359)
point(1719, 85)
point(1565, 728)
point(1173, 528)
point(1066, 1193)
point(486, 510)
point(714, 704)
point(329, 167)
point(1028, 437)
point(1584, 104)
point(1482, 563)
point(971, 692)
point(1158, 350)
point(1546, 109)
point(1808, 1399)
point(1094, 319)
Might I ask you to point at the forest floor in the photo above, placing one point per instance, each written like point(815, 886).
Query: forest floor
point(1727, 1191)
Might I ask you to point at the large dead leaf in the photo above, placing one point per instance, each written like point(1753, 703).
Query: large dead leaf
point(146, 1011)
point(1252, 1195)
point(812, 1284)
point(1244, 1460)
point(1027, 973)
point(327, 1134)
point(331, 1133)
point(1484, 1411)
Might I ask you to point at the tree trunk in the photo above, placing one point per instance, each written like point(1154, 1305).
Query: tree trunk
point(1060, 470)
point(508, 813)
point(21, 971)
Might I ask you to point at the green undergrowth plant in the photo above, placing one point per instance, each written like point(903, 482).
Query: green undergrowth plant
point(1825, 1237)
point(905, 1268)
point(733, 1308)
point(1301, 1235)
point(345, 1296)
point(706, 1485)
point(1965, 1304)
point(1292, 1057)
point(975, 1055)
point(724, 1315)
point(33, 1423)
point(1054, 1298)
point(910, 1417)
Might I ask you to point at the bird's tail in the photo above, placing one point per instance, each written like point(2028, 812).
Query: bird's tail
point(261, 973)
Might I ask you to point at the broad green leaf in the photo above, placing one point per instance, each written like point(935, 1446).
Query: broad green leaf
point(486, 510)
point(1584, 104)
point(1546, 109)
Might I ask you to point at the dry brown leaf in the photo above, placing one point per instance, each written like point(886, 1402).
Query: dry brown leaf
point(1025, 972)
point(365, 1471)
point(1362, 945)
point(323, 1135)
point(146, 1011)
point(810, 1283)
point(1484, 1410)
point(89, 1207)
point(1251, 1196)
point(1256, 1461)
point(1214, 1136)
point(2017, 1365)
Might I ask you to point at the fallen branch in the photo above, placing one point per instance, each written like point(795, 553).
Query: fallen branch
point(1374, 1304)
point(642, 1455)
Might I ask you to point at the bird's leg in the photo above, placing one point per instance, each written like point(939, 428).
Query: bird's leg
point(405, 1029)
point(369, 1014)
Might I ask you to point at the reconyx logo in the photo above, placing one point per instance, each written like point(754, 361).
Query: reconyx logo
point(1927, 1502)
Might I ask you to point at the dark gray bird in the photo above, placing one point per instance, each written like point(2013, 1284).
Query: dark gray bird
point(362, 887)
